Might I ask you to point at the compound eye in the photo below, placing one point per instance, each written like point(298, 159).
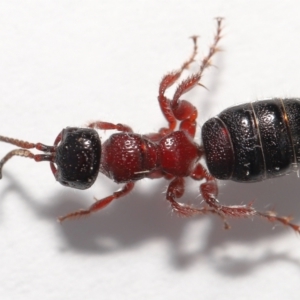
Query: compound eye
point(78, 157)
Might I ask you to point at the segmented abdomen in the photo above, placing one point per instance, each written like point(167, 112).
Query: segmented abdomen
point(253, 141)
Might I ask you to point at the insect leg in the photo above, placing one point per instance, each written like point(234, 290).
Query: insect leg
point(209, 191)
point(99, 204)
point(182, 109)
point(167, 81)
point(109, 126)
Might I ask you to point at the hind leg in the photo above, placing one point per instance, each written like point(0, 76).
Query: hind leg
point(209, 191)
point(183, 110)
point(167, 81)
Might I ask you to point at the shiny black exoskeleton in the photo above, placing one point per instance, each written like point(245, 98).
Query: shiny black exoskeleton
point(77, 157)
point(253, 141)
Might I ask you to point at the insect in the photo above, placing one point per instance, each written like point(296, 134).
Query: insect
point(245, 143)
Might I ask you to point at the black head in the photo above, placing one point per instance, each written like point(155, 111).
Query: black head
point(77, 157)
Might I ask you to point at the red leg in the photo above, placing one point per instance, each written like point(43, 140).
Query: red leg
point(184, 110)
point(209, 191)
point(109, 126)
point(167, 81)
point(99, 204)
point(176, 190)
point(190, 82)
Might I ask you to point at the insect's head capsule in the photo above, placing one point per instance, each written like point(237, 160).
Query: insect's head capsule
point(76, 159)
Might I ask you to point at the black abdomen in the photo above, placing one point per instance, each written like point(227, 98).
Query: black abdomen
point(253, 141)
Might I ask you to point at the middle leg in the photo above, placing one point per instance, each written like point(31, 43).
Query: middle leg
point(167, 81)
point(182, 110)
point(176, 190)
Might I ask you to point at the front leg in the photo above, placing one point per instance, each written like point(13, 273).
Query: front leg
point(99, 204)
point(109, 126)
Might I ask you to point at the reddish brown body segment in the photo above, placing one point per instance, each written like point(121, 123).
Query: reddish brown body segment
point(126, 157)
point(131, 157)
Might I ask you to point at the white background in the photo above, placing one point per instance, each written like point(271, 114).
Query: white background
point(63, 63)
